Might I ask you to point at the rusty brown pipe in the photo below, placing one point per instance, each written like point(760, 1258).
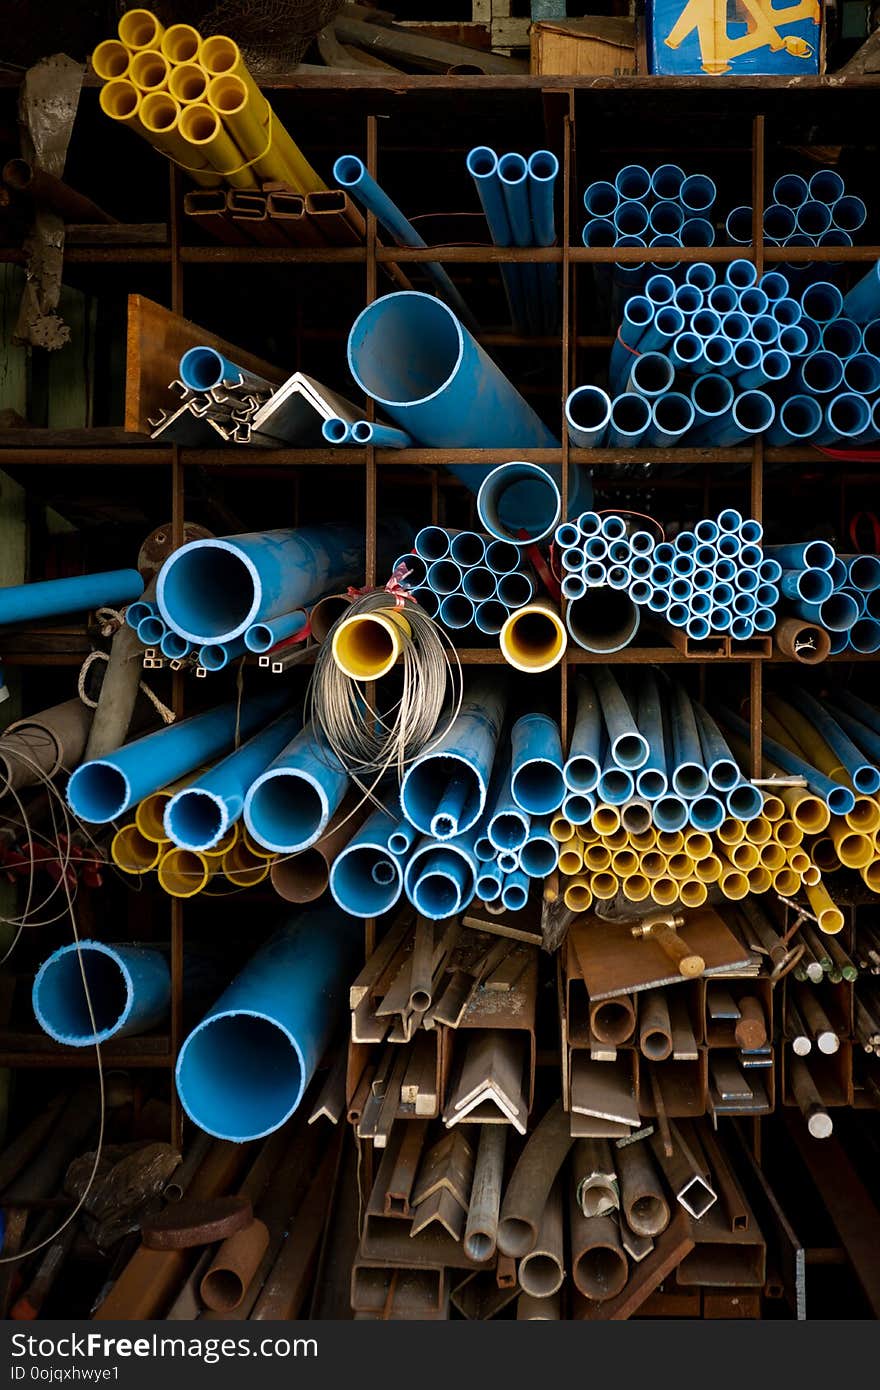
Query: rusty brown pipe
point(542, 1271)
point(751, 1027)
point(595, 1177)
point(531, 1181)
point(613, 1020)
point(325, 613)
point(599, 1265)
point(225, 1281)
point(43, 743)
point(52, 193)
point(641, 1190)
point(301, 878)
point(802, 642)
point(532, 1309)
point(655, 1028)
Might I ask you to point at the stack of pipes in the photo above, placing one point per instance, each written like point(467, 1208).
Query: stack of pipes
point(465, 579)
point(837, 594)
point(802, 212)
point(194, 99)
point(718, 361)
point(711, 578)
point(516, 194)
point(641, 208)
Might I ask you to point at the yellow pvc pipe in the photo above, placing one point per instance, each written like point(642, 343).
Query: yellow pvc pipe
point(787, 834)
point(670, 841)
point(772, 856)
point(228, 840)
point(644, 839)
point(132, 852)
point(571, 860)
point(140, 29)
point(111, 59)
point(366, 646)
point(853, 850)
point(708, 869)
point(786, 882)
point(578, 896)
point(561, 829)
point(773, 808)
point(871, 875)
point(605, 820)
point(625, 862)
point(743, 856)
point(120, 100)
point(760, 879)
point(597, 858)
point(636, 888)
point(828, 914)
point(604, 886)
point(864, 816)
point(586, 834)
point(534, 638)
point(654, 864)
point(220, 56)
point(204, 138)
point(731, 832)
point(799, 729)
point(693, 892)
point(800, 861)
point(149, 71)
point(618, 839)
point(160, 118)
point(180, 43)
point(664, 891)
point(758, 830)
point(776, 728)
point(681, 866)
point(809, 812)
point(733, 884)
point(183, 873)
point(243, 869)
point(148, 816)
point(230, 98)
point(697, 843)
point(188, 83)
point(811, 876)
point(259, 851)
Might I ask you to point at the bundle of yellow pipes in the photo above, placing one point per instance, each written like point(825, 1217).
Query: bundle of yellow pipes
point(195, 100)
point(142, 846)
point(603, 858)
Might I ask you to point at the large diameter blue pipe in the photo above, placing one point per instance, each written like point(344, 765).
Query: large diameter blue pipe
point(444, 791)
point(652, 375)
point(48, 598)
point(366, 878)
point(243, 1070)
point(839, 799)
point(525, 491)
point(810, 585)
point(836, 613)
point(287, 807)
point(803, 555)
point(751, 413)
point(584, 763)
point(440, 878)
point(351, 174)
point(798, 417)
point(587, 414)
point(105, 788)
point(672, 416)
point(865, 777)
point(847, 417)
point(537, 782)
point(863, 301)
point(630, 419)
point(129, 989)
point(629, 747)
point(198, 816)
point(211, 591)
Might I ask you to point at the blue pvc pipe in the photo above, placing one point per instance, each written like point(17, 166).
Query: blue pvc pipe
point(489, 883)
point(847, 417)
point(712, 396)
point(543, 169)
point(697, 193)
point(739, 226)
point(780, 222)
point(444, 577)
point(652, 375)
point(213, 590)
point(849, 214)
point(601, 198)
point(515, 892)
point(507, 825)
point(751, 413)
point(432, 543)
point(137, 611)
point(599, 232)
point(861, 373)
point(741, 274)
point(522, 490)
point(105, 788)
point(667, 323)
point(174, 647)
point(537, 783)
point(790, 189)
point(838, 573)
point(822, 301)
point(838, 798)
point(798, 417)
point(744, 801)
point(578, 807)
point(666, 181)
point(863, 571)
point(843, 337)
point(244, 1069)
point(513, 174)
point(813, 218)
point(628, 747)
point(440, 878)
point(633, 181)
point(706, 812)
point(862, 735)
point(587, 414)
point(366, 878)
point(723, 769)
point(380, 436)
point(287, 806)
point(48, 598)
point(718, 355)
point(802, 555)
point(336, 430)
point(837, 613)
point(444, 790)
point(630, 218)
point(826, 186)
point(638, 314)
point(701, 274)
point(809, 585)
point(687, 351)
point(774, 366)
point(723, 299)
point(630, 418)
point(215, 656)
point(666, 218)
point(689, 776)
point(573, 586)
point(262, 637)
point(202, 368)
point(770, 571)
point(584, 763)
point(672, 416)
point(793, 340)
point(129, 988)
point(670, 812)
point(651, 780)
point(688, 298)
point(479, 584)
point(865, 777)
point(456, 612)
point(151, 630)
point(660, 290)
point(697, 231)
point(502, 557)
point(787, 311)
point(198, 816)
point(515, 590)
point(350, 173)
point(540, 853)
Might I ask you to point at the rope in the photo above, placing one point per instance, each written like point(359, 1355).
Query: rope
point(167, 716)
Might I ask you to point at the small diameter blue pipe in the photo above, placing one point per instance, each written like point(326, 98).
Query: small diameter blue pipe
point(129, 988)
point(689, 776)
point(211, 591)
point(774, 366)
point(105, 788)
point(515, 892)
point(543, 167)
point(666, 218)
point(651, 782)
point(787, 312)
point(744, 801)
point(630, 418)
point(751, 413)
point(49, 598)
point(202, 368)
point(444, 577)
point(366, 878)
point(456, 612)
point(444, 790)
point(670, 812)
point(672, 416)
point(198, 816)
point(723, 769)
point(350, 173)
point(440, 878)
point(262, 637)
point(638, 313)
point(537, 783)
point(697, 231)
point(540, 853)
point(489, 883)
point(578, 807)
point(515, 590)
point(479, 584)
point(739, 226)
point(849, 214)
point(243, 1070)
point(601, 198)
point(174, 647)
point(137, 611)
point(584, 762)
point(336, 430)
point(843, 337)
point(467, 548)
point(629, 748)
point(687, 351)
point(697, 193)
point(667, 323)
point(706, 813)
point(839, 799)
point(616, 784)
point(380, 436)
point(287, 807)
point(587, 414)
point(863, 571)
point(861, 373)
point(822, 301)
point(151, 630)
point(865, 777)
point(507, 825)
point(790, 189)
point(215, 656)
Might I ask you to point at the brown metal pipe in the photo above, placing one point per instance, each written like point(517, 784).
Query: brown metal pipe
point(613, 1020)
point(542, 1271)
point(325, 613)
point(52, 193)
point(532, 1309)
point(599, 1265)
point(43, 743)
point(642, 1196)
point(301, 878)
point(481, 1231)
point(800, 641)
point(655, 1027)
point(595, 1177)
point(531, 1181)
point(226, 1279)
point(751, 1026)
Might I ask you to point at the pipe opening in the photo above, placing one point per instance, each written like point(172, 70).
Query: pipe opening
point(98, 792)
point(601, 1272)
point(538, 786)
point(285, 810)
point(132, 852)
point(365, 881)
point(149, 70)
point(183, 873)
point(209, 592)
point(239, 1076)
point(603, 620)
point(422, 349)
point(195, 819)
point(365, 648)
point(60, 999)
point(222, 1289)
point(588, 408)
point(535, 640)
point(138, 28)
point(508, 831)
point(613, 1021)
point(436, 894)
point(538, 858)
point(540, 1275)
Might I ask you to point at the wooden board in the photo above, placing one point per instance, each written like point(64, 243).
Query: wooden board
point(155, 342)
point(612, 961)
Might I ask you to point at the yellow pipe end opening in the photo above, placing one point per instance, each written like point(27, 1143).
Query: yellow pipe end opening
point(811, 876)
point(811, 814)
point(643, 839)
point(772, 856)
point(577, 896)
point(681, 866)
point(773, 808)
point(533, 638)
point(259, 851)
point(618, 839)
point(697, 844)
point(670, 841)
point(228, 840)
point(244, 869)
point(605, 820)
point(604, 886)
point(786, 883)
point(760, 879)
point(148, 817)
point(636, 888)
point(120, 100)
point(181, 43)
point(758, 830)
point(787, 834)
point(159, 113)
point(734, 885)
point(183, 873)
point(140, 29)
point(664, 891)
point(367, 645)
point(625, 862)
point(828, 914)
point(864, 816)
point(744, 855)
point(800, 860)
point(218, 54)
point(571, 860)
point(561, 829)
point(198, 124)
point(586, 834)
point(871, 875)
point(227, 95)
point(597, 858)
point(149, 71)
point(693, 893)
point(708, 869)
point(111, 59)
point(188, 83)
point(731, 831)
point(853, 850)
point(132, 852)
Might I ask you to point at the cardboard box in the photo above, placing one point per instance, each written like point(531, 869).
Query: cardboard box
point(742, 38)
point(583, 47)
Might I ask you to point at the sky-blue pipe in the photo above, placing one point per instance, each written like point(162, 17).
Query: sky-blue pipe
point(540, 854)
point(456, 612)
point(287, 806)
point(213, 590)
point(174, 647)
point(151, 630)
point(537, 783)
point(482, 165)
point(479, 584)
point(670, 812)
point(198, 816)
point(666, 218)
point(863, 571)
point(651, 781)
point(202, 368)
point(616, 783)
point(638, 313)
point(441, 878)
point(514, 590)
point(790, 189)
point(584, 763)
point(507, 825)
point(813, 218)
point(798, 417)
point(697, 193)
point(633, 181)
point(722, 767)
point(667, 323)
point(587, 413)
point(652, 375)
point(214, 656)
point(502, 494)
point(802, 555)
point(843, 337)
point(601, 198)
point(137, 611)
point(629, 748)
point(351, 174)
point(336, 430)
point(701, 274)
point(864, 635)
point(444, 791)
point(712, 396)
point(630, 418)
point(865, 777)
point(672, 416)
point(444, 577)
point(380, 436)
point(861, 734)
point(103, 789)
point(689, 776)
point(774, 366)
point(697, 231)
point(129, 988)
point(578, 807)
point(25, 603)
point(786, 311)
point(837, 613)
point(706, 812)
point(847, 417)
point(515, 892)
point(366, 878)
point(489, 883)
point(262, 637)
point(513, 175)
point(543, 169)
point(751, 413)
point(838, 798)
point(849, 214)
point(243, 1070)
point(861, 373)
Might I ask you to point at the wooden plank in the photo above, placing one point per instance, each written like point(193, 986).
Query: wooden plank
point(156, 339)
point(433, 54)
